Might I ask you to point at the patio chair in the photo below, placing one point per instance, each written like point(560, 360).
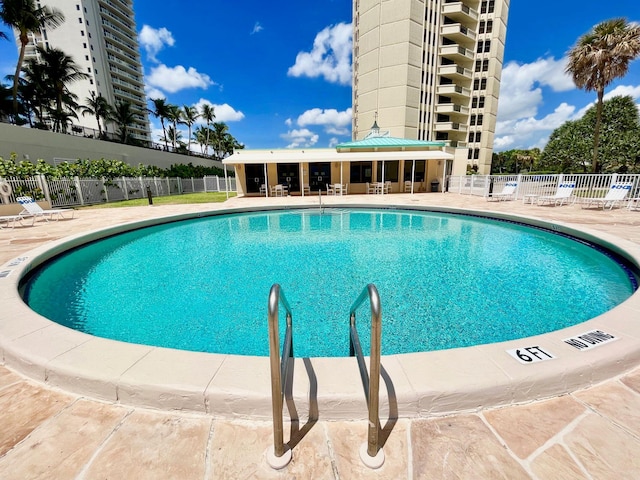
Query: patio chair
point(371, 188)
point(617, 193)
point(562, 195)
point(330, 190)
point(508, 192)
point(31, 208)
point(10, 220)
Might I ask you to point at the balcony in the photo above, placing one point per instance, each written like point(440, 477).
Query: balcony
point(453, 91)
point(458, 33)
point(451, 126)
point(452, 109)
point(457, 53)
point(460, 12)
point(455, 72)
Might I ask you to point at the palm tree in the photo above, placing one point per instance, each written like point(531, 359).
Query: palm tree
point(26, 17)
point(161, 110)
point(175, 136)
point(599, 57)
point(175, 117)
point(189, 115)
point(99, 107)
point(123, 117)
point(200, 135)
point(208, 114)
point(220, 132)
point(60, 70)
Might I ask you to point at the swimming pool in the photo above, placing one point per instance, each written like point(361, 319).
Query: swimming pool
point(445, 281)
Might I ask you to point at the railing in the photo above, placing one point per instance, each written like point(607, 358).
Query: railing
point(280, 456)
point(372, 456)
point(586, 185)
point(75, 191)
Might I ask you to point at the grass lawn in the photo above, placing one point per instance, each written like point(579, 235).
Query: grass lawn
point(211, 197)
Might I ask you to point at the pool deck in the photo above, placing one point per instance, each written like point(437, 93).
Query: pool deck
point(590, 433)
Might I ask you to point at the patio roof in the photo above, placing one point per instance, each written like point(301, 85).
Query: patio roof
point(389, 142)
point(246, 157)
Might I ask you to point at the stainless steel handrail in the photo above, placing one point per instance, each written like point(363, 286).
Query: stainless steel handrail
point(371, 383)
point(279, 367)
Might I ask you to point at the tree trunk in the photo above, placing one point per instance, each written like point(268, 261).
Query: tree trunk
point(596, 131)
point(24, 40)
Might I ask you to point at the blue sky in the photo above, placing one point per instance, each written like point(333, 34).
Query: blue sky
point(279, 74)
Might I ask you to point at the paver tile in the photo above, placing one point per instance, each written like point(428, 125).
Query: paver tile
point(460, 447)
point(61, 448)
point(24, 406)
point(525, 428)
point(347, 439)
point(616, 402)
point(556, 463)
point(605, 450)
point(152, 445)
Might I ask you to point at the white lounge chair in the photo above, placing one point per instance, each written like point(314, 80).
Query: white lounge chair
point(508, 192)
point(562, 195)
point(31, 208)
point(10, 220)
point(617, 193)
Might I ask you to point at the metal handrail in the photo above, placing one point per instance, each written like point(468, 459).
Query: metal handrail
point(279, 365)
point(371, 383)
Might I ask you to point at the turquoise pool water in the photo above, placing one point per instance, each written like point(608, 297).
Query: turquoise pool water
point(444, 280)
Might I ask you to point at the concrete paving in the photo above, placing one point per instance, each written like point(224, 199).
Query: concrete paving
point(592, 433)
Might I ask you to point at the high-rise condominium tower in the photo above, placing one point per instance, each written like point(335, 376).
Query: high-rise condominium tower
point(100, 36)
point(430, 70)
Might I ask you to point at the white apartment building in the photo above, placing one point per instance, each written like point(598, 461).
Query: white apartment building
point(100, 36)
point(430, 70)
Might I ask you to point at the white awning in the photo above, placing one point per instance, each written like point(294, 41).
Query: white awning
point(248, 157)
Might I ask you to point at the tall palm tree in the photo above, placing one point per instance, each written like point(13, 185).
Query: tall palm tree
point(200, 135)
point(599, 57)
point(26, 17)
point(175, 117)
point(208, 114)
point(161, 110)
point(97, 106)
point(123, 116)
point(219, 140)
point(189, 117)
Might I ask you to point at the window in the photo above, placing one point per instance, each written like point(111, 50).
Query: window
point(390, 171)
point(489, 26)
point(472, 119)
point(476, 153)
point(82, 33)
point(480, 101)
point(477, 102)
point(77, 7)
point(482, 26)
point(79, 20)
point(84, 45)
point(480, 118)
point(485, 65)
point(472, 135)
point(478, 136)
point(419, 172)
point(487, 46)
point(86, 57)
point(360, 172)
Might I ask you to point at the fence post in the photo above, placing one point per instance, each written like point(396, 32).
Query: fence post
point(106, 191)
point(76, 181)
point(519, 185)
point(204, 181)
point(218, 182)
point(125, 189)
point(193, 185)
point(44, 186)
point(168, 187)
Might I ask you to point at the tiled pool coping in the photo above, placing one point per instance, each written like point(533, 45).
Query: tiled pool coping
point(414, 385)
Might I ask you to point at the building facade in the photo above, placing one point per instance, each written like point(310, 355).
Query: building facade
point(100, 36)
point(430, 70)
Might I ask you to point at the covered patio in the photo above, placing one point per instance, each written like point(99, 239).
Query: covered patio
point(373, 165)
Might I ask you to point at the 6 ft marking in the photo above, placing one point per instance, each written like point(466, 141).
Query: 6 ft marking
point(533, 354)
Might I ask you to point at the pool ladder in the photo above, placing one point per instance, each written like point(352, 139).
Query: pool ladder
point(371, 453)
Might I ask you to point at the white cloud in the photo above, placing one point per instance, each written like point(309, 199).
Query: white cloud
point(224, 112)
point(333, 121)
point(153, 92)
point(333, 141)
point(153, 40)
point(257, 28)
point(288, 122)
point(300, 138)
point(520, 88)
point(173, 79)
point(330, 57)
